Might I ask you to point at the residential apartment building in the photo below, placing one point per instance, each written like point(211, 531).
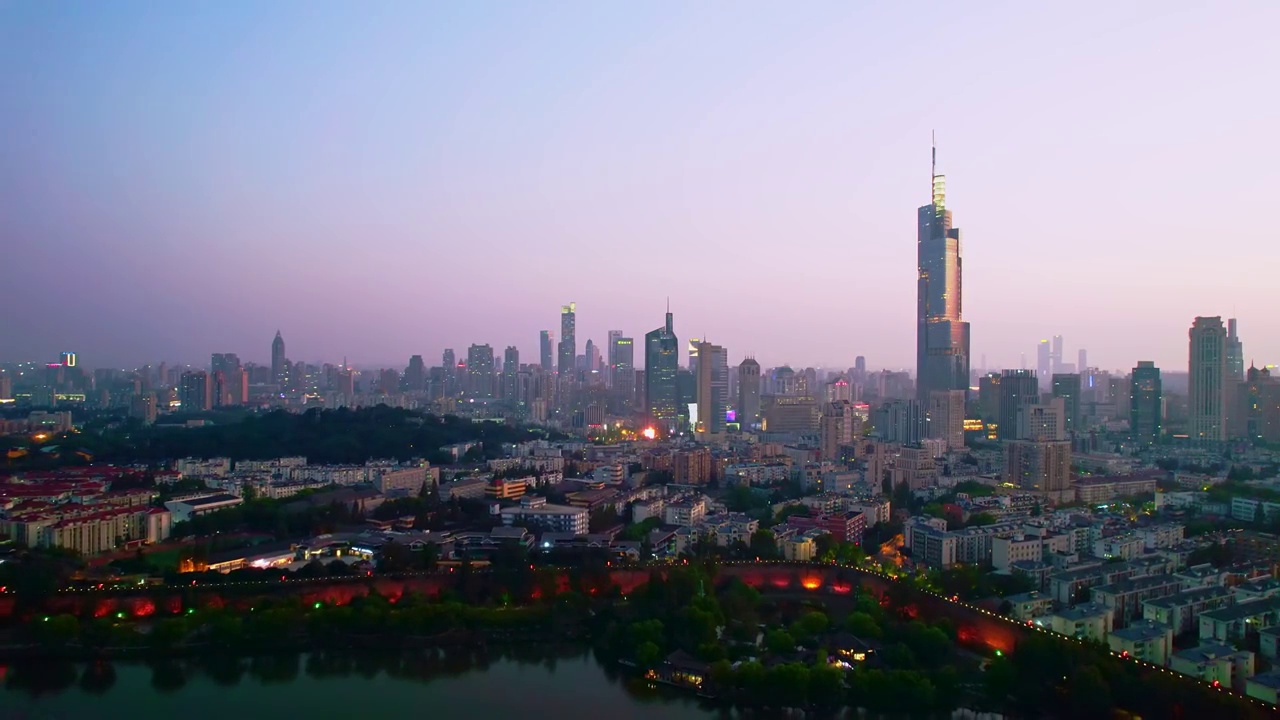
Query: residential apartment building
point(1086, 621)
point(1237, 621)
point(1216, 664)
point(1016, 548)
point(1143, 640)
point(686, 513)
point(1181, 610)
point(535, 512)
point(1125, 597)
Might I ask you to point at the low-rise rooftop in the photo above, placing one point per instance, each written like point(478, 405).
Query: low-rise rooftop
point(1141, 631)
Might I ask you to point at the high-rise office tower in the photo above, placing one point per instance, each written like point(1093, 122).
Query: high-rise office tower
point(68, 359)
point(1145, 403)
point(480, 371)
point(860, 364)
point(661, 366)
point(942, 337)
point(713, 390)
point(1235, 355)
point(415, 375)
point(989, 395)
point(1067, 387)
point(545, 343)
point(1207, 383)
point(592, 354)
point(622, 369)
point(510, 370)
point(193, 391)
point(1017, 389)
point(748, 393)
point(610, 359)
point(452, 381)
point(1082, 362)
point(568, 339)
point(1055, 355)
point(1044, 363)
point(278, 361)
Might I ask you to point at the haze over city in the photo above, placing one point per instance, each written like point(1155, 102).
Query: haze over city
point(176, 181)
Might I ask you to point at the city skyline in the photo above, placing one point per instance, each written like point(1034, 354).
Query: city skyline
point(166, 201)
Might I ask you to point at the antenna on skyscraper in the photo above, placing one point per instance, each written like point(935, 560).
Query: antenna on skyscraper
point(933, 140)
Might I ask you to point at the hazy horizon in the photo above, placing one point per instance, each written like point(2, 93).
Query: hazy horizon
point(382, 181)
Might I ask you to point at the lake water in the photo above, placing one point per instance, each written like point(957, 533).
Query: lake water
point(570, 685)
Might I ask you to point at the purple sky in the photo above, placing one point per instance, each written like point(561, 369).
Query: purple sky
point(381, 180)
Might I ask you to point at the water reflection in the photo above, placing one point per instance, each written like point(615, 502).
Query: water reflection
point(167, 675)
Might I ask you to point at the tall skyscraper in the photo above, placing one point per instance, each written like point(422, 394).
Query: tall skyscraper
point(510, 369)
point(942, 337)
point(480, 371)
point(1055, 355)
point(1082, 362)
point(989, 397)
point(1067, 387)
point(452, 382)
point(661, 366)
point(194, 391)
point(1044, 363)
point(1235, 355)
point(415, 375)
point(748, 393)
point(1018, 388)
point(1145, 403)
point(622, 369)
point(546, 356)
point(1207, 383)
point(568, 339)
point(278, 361)
point(713, 390)
point(610, 358)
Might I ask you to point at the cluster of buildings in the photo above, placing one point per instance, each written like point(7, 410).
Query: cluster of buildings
point(78, 509)
point(288, 476)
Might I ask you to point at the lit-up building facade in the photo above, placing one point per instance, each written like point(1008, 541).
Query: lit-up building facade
point(942, 337)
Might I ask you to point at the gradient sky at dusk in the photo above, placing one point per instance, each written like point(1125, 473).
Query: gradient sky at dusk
point(381, 179)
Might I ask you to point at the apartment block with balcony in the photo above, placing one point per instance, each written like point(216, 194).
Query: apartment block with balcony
point(1029, 605)
point(1017, 548)
point(1181, 611)
point(1125, 597)
point(1238, 621)
point(1215, 663)
point(1144, 640)
point(1086, 621)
